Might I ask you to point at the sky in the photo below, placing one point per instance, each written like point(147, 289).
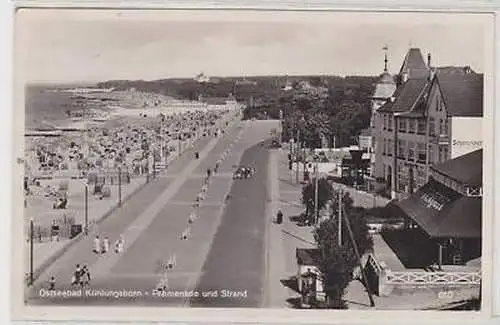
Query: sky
point(83, 45)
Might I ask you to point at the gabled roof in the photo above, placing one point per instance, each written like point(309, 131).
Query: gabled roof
point(414, 64)
point(453, 215)
point(406, 96)
point(466, 169)
point(462, 93)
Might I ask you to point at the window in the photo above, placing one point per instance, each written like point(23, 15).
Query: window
point(401, 149)
point(384, 151)
point(402, 125)
point(421, 127)
point(432, 126)
point(421, 153)
point(445, 126)
point(389, 125)
point(412, 126)
point(445, 153)
point(389, 147)
point(431, 155)
point(385, 121)
point(411, 150)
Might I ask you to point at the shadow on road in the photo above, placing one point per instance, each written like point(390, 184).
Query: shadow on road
point(288, 182)
point(298, 205)
point(291, 283)
point(350, 302)
point(294, 302)
point(297, 237)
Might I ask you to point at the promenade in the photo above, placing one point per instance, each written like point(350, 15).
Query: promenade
point(45, 250)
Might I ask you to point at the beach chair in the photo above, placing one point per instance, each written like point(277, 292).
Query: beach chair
point(106, 192)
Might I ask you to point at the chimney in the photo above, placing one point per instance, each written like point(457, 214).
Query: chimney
point(428, 60)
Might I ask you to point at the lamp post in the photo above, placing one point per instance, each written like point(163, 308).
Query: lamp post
point(31, 250)
point(339, 230)
point(316, 190)
point(119, 186)
point(297, 151)
point(86, 209)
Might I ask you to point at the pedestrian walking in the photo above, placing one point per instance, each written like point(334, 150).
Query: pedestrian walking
point(52, 283)
point(97, 245)
point(185, 234)
point(105, 245)
point(75, 280)
point(85, 276)
point(191, 218)
point(119, 245)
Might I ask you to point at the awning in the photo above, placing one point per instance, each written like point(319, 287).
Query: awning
point(442, 212)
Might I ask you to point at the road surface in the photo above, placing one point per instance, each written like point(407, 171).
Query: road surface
point(225, 248)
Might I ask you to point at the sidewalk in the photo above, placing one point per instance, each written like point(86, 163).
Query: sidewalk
point(47, 252)
point(284, 239)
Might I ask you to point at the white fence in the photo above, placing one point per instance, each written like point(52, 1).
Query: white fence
point(384, 281)
point(433, 278)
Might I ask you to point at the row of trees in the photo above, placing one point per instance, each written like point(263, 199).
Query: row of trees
point(340, 114)
point(339, 257)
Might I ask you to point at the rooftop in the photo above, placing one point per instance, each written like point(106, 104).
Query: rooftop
point(466, 169)
point(406, 96)
point(444, 213)
point(414, 65)
point(462, 93)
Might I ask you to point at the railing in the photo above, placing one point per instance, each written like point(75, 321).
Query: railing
point(433, 278)
point(441, 139)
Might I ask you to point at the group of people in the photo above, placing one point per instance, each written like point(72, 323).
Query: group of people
point(194, 215)
point(203, 192)
point(102, 246)
point(81, 276)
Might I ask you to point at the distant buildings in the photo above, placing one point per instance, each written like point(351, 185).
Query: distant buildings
point(201, 78)
point(423, 116)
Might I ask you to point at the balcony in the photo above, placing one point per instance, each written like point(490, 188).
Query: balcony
point(442, 139)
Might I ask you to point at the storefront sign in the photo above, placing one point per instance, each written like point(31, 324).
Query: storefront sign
point(463, 143)
point(433, 201)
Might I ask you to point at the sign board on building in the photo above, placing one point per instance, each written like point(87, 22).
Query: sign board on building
point(466, 135)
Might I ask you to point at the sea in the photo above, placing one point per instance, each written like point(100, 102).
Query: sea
point(46, 106)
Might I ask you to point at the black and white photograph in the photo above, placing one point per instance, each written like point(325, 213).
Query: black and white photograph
point(252, 160)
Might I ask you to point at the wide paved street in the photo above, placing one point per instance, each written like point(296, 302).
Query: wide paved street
point(225, 247)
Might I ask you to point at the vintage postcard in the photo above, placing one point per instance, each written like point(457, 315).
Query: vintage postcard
point(250, 165)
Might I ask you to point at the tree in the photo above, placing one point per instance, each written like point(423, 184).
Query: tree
point(308, 195)
point(337, 263)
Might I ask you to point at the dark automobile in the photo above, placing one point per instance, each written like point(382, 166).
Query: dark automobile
point(243, 172)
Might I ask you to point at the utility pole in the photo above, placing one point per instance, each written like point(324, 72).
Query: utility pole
point(316, 191)
point(297, 156)
point(351, 235)
point(339, 230)
point(31, 251)
point(86, 209)
point(119, 186)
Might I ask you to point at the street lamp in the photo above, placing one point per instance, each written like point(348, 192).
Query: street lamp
point(86, 207)
point(119, 186)
point(31, 250)
point(316, 190)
